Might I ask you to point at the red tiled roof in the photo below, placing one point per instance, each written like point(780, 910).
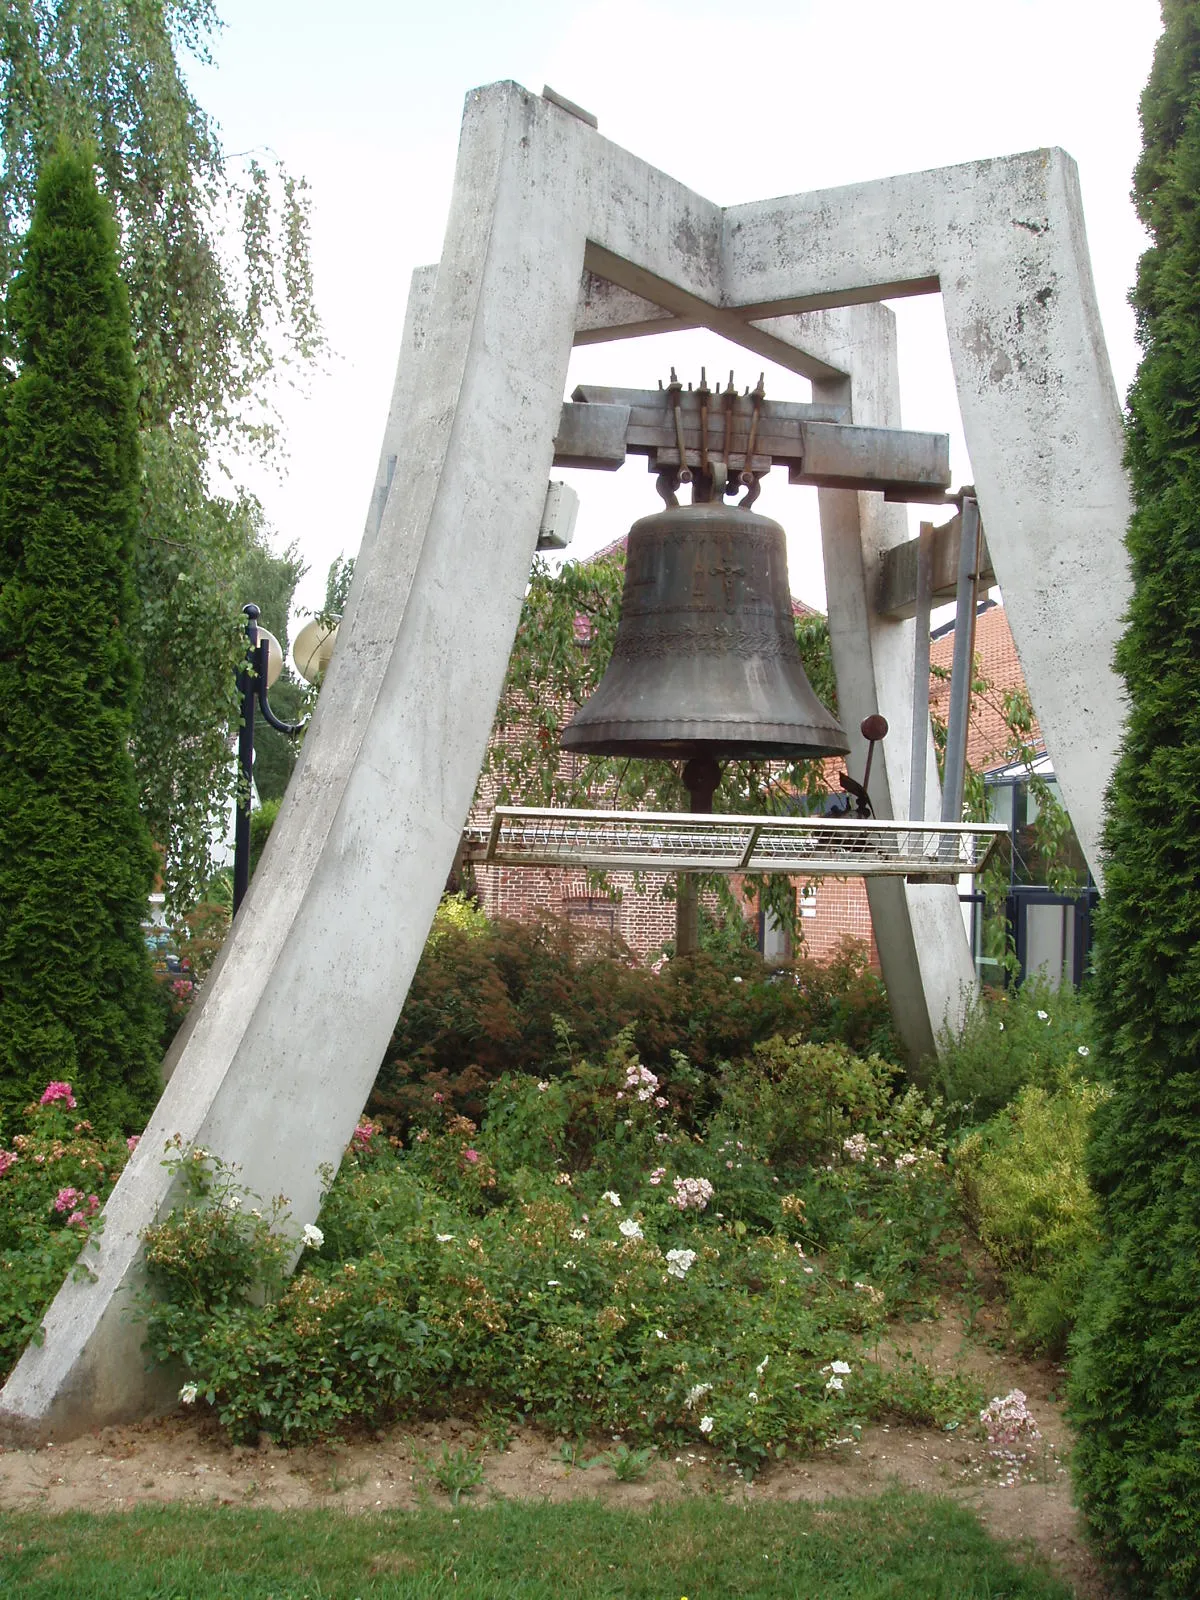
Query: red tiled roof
point(989, 738)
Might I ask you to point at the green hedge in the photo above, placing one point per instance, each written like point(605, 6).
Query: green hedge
point(1135, 1382)
point(76, 863)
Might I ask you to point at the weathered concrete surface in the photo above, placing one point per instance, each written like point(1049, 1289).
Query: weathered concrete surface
point(276, 1064)
point(1005, 242)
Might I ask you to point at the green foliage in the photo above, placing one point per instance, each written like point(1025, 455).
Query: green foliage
point(1135, 1388)
point(460, 914)
point(570, 1263)
point(457, 1471)
point(53, 1180)
point(628, 1466)
point(262, 820)
point(1023, 1182)
point(76, 864)
point(799, 1101)
point(1031, 1035)
point(495, 998)
point(215, 259)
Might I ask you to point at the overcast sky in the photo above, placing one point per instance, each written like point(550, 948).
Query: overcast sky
point(364, 99)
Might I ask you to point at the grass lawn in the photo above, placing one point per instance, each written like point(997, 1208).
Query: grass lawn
point(898, 1547)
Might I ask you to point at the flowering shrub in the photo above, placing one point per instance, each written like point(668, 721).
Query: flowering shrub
point(53, 1181)
point(1023, 1183)
point(1031, 1035)
point(691, 1194)
point(1011, 1431)
point(539, 1266)
point(498, 998)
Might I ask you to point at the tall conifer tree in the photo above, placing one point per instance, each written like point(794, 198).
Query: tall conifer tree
point(1136, 1371)
point(76, 863)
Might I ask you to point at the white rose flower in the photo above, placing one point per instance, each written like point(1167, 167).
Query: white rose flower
point(706, 1424)
point(188, 1394)
point(613, 1198)
point(313, 1237)
point(840, 1366)
point(631, 1229)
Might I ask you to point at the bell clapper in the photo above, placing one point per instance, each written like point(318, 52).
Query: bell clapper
point(701, 777)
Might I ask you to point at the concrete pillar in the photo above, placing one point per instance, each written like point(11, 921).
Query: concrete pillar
point(923, 947)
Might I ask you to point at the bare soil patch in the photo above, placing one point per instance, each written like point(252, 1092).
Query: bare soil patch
point(185, 1458)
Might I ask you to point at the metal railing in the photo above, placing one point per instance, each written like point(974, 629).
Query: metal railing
point(650, 841)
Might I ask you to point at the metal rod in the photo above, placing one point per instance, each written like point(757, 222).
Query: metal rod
point(919, 757)
point(962, 664)
point(245, 778)
point(748, 852)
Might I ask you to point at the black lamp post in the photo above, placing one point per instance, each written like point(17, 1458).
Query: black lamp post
point(253, 683)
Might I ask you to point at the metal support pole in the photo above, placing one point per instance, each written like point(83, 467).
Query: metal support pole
point(246, 688)
point(920, 707)
point(701, 775)
point(962, 664)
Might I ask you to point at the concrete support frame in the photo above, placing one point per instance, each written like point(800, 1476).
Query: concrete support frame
point(275, 1065)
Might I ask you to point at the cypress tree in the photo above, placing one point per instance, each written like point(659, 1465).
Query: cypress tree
point(76, 862)
point(1135, 1382)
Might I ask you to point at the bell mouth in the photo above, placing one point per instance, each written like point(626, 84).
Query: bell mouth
point(722, 741)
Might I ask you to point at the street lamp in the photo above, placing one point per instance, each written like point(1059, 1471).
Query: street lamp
point(261, 666)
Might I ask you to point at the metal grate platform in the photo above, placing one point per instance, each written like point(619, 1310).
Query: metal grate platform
point(656, 841)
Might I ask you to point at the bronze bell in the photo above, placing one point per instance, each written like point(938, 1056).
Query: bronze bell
point(705, 663)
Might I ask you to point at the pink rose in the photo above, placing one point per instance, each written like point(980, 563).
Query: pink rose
point(7, 1157)
point(66, 1198)
point(132, 1142)
point(77, 1220)
point(58, 1091)
point(471, 1155)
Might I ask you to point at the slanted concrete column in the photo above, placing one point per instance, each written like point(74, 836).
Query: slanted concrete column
point(278, 1061)
point(1043, 428)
